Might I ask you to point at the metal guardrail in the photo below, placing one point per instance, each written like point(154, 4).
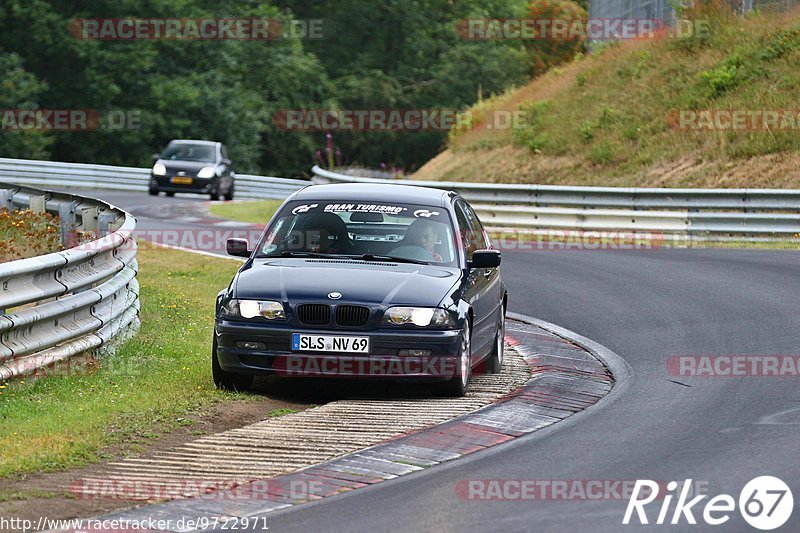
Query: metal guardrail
point(65, 303)
point(683, 211)
point(55, 174)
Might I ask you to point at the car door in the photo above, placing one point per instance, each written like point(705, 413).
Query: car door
point(477, 284)
point(494, 282)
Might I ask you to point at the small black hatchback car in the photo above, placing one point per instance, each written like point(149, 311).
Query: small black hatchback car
point(364, 281)
point(193, 166)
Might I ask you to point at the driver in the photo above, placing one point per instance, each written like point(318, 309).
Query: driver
point(329, 232)
point(423, 233)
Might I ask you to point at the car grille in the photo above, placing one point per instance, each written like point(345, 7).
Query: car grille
point(352, 315)
point(314, 314)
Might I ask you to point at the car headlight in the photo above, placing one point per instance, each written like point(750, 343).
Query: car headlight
point(251, 308)
point(419, 316)
point(159, 169)
point(206, 172)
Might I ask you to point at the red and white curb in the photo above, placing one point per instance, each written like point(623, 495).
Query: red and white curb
point(569, 375)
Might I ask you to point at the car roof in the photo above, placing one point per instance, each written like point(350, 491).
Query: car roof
point(374, 192)
point(193, 141)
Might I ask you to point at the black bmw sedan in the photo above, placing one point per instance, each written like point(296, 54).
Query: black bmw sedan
point(193, 166)
point(367, 281)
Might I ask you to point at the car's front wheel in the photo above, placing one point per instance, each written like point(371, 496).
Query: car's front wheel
point(228, 380)
point(153, 191)
point(229, 194)
point(457, 386)
point(495, 362)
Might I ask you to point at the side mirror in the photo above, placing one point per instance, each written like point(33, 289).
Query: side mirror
point(237, 248)
point(156, 157)
point(484, 259)
point(226, 162)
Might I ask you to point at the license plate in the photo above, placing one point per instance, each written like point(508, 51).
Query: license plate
point(179, 180)
point(329, 343)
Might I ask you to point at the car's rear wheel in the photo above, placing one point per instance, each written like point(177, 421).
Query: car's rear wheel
point(228, 380)
point(153, 191)
point(495, 362)
point(457, 386)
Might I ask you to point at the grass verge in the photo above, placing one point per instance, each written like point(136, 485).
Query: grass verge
point(255, 211)
point(65, 420)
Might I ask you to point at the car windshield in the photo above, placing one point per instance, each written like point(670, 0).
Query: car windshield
point(189, 152)
point(370, 231)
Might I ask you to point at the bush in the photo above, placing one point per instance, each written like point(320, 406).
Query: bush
point(548, 53)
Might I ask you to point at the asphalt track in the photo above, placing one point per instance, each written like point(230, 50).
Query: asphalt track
point(646, 306)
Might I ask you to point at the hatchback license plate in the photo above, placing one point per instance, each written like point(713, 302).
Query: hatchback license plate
point(178, 180)
point(329, 343)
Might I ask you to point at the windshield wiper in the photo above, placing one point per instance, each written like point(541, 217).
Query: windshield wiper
point(290, 253)
point(387, 258)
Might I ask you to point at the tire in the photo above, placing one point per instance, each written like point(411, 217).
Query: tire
point(458, 385)
point(215, 192)
point(228, 380)
point(229, 195)
point(152, 192)
point(170, 194)
point(495, 362)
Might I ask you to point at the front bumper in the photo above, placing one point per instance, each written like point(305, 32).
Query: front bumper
point(164, 184)
point(383, 361)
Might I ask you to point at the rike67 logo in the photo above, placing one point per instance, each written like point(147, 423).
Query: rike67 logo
point(765, 503)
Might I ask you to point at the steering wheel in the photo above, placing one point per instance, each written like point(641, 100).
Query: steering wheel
point(413, 251)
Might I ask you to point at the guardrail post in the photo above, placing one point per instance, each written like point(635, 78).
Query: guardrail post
point(104, 221)
point(6, 199)
point(37, 204)
point(89, 218)
point(67, 219)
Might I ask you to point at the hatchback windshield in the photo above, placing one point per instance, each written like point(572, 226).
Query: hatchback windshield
point(373, 231)
point(189, 152)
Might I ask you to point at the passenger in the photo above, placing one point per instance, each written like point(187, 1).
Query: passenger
point(423, 233)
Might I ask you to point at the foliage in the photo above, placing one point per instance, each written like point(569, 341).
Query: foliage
point(611, 117)
point(393, 54)
point(548, 53)
point(27, 234)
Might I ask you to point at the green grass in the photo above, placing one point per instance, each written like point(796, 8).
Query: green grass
point(256, 211)
point(611, 117)
point(618, 115)
point(275, 413)
point(145, 389)
point(22, 495)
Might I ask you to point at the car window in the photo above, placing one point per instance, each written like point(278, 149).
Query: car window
point(223, 151)
point(463, 230)
point(409, 231)
point(471, 233)
point(189, 152)
point(481, 238)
